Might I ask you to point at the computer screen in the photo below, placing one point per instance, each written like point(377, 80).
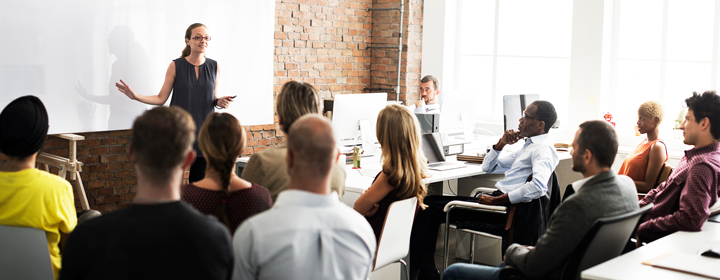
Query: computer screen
point(514, 106)
point(349, 109)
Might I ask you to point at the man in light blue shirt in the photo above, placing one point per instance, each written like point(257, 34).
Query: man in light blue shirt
point(308, 233)
point(527, 173)
point(537, 158)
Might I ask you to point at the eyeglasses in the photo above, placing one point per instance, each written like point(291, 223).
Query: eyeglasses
point(198, 38)
point(528, 117)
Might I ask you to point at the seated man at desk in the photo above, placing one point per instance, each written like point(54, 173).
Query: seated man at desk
point(682, 202)
point(527, 172)
point(429, 92)
point(601, 193)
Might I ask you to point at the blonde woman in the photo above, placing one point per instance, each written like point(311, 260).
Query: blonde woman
point(644, 164)
point(404, 166)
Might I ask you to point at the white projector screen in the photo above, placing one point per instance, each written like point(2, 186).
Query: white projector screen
point(71, 53)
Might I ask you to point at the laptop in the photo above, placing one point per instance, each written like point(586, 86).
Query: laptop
point(433, 148)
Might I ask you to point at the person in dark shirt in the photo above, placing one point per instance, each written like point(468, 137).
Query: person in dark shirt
point(158, 237)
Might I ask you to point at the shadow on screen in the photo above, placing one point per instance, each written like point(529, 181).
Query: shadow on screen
point(131, 66)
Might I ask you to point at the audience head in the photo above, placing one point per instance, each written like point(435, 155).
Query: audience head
point(650, 115)
point(295, 100)
point(24, 124)
point(594, 147)
point(702, 121)
point(311, 151)
point(429, 89)
point(161, 146)
point(404, 162)
point(537, 119)
point(222, 141)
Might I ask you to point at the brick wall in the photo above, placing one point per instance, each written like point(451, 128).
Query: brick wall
point(321, 42)
point(384, 62)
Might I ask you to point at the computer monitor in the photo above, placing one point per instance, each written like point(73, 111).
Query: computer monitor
point(458, 112)
point(349, 110)
point(514, 107)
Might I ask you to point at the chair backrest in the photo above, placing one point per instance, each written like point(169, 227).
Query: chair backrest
point(394, 242)
point(605, 240)
point(665, 172)
point(24, 254)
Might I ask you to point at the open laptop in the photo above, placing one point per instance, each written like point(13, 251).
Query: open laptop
point(433, 148)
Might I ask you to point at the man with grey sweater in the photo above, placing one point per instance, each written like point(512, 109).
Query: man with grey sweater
point(601, 193)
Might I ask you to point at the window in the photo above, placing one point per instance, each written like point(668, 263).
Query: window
point(659, 50)
point(513, 47)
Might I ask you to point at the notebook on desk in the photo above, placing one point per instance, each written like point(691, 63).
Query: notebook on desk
point(687, 263)
point(433, 147)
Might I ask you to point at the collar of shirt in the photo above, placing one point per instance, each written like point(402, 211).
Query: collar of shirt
point(306, 199)
point(537, 139)
point(702, 150)
point(580, 183)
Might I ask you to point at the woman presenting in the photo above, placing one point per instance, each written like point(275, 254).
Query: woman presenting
point(193, 80)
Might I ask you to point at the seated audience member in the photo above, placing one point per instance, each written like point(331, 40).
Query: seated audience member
point(158, 237)
point(429, 96)
point(267, 168)
point(30, 197)
point(221, 192)
point(599, 194)
point(537, 159)
point(644, 164)
point(308, 233)
point(683, 201)
point(403, 169)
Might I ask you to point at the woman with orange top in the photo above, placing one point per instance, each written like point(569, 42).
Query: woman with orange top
point(644, 164)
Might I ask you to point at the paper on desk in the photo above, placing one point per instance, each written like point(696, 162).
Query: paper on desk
point(687, 263)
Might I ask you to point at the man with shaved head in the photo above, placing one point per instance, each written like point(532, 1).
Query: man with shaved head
point(308, 233)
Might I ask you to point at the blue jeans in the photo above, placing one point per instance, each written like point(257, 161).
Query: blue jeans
point(462, 271)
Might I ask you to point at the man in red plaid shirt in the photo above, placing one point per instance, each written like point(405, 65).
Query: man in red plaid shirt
point(682, 202)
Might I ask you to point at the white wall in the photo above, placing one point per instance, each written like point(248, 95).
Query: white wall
point(71, 53)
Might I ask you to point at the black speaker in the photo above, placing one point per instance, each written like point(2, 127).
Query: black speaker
point(429, 123)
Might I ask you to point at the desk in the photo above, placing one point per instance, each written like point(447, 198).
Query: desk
point(359, 180)
point(629, 266)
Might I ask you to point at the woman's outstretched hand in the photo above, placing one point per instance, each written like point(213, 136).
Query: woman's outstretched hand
point(124, 88)
point(224, 102)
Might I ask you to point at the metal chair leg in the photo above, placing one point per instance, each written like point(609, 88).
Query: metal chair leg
point(472, 248)
point(405, 268)
point(447, 236)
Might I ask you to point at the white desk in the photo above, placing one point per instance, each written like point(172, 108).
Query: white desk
point(629, 266)
point(356, 183)
point(359, 180)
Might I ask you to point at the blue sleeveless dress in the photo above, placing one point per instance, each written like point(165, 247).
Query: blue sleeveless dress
point(195, 95)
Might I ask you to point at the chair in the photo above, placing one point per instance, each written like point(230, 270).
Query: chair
point(394, 242)
point(665, 172)
point(605, 240)
point(530, 219)
point(24, 254)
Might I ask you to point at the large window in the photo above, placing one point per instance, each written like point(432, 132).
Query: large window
point(644, 50)
point(513, 47)
point(658, 50)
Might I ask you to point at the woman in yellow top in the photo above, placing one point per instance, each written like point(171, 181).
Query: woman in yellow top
point(644, 164)
point(404, 166)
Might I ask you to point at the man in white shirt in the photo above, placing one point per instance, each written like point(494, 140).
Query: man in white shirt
point(429, 96)
point(527, 173)
point(308, 233)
